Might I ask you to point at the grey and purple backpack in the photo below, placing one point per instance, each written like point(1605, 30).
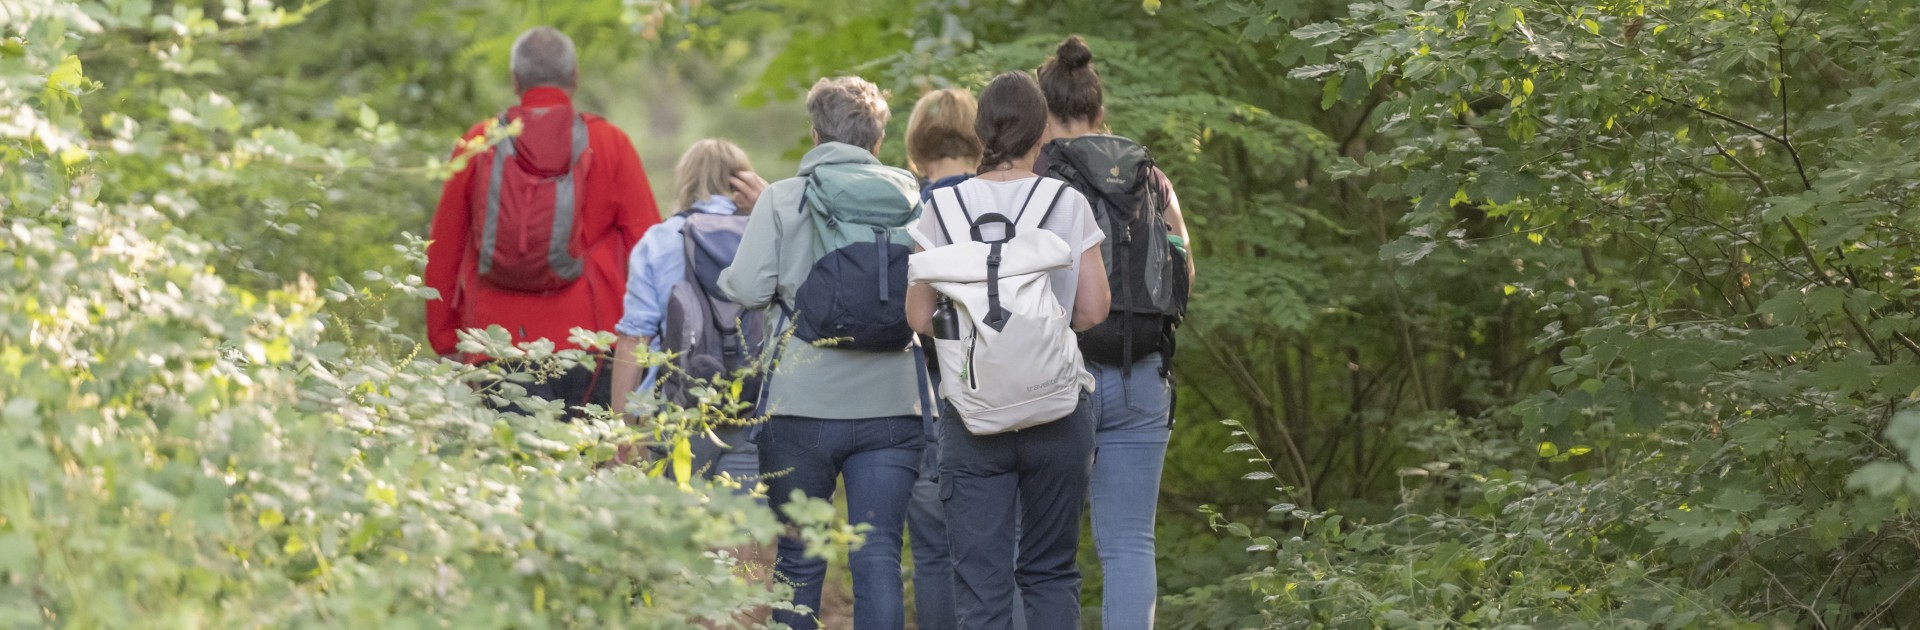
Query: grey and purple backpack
point(712, 337)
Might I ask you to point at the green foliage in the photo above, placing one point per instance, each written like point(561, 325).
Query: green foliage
point(1533, 313)
point(179, 448)
point(1705, 206)
point(1538, 313)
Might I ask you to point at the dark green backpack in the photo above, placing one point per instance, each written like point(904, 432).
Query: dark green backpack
point(1146, 274)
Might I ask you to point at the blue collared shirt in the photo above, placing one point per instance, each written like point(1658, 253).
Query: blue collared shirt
point(657, 263)
point(926, 190)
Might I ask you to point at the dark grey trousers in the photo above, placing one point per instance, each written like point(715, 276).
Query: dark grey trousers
point(1044, 470)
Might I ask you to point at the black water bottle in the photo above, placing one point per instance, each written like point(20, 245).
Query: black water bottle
point(946, 320)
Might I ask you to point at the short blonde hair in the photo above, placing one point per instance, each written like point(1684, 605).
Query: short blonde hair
point(941, 127)
point(707, 169)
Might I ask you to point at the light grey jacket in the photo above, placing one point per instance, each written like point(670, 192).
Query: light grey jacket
point(776, 255)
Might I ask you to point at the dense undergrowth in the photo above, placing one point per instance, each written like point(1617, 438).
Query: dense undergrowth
point(1524, 313)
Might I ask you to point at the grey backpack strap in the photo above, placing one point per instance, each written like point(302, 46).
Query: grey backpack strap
point(489, 232)
point(688, 244)
point(561, 260)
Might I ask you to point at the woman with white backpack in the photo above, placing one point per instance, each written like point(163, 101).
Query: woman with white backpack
point(1009, 269)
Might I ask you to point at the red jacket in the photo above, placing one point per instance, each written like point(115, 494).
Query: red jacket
point(617, 210)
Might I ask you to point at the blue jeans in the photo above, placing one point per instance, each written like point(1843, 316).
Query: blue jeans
point(1130, 447)
point(879, 458)
point(1038, 474)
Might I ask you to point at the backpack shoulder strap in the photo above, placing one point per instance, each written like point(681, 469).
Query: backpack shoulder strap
point(502, 149)
point(688, 254)
point(932, 205)
point(580, 141)
point(806, 190)
point(496, 169)
point(952, 223)
point(1047, 191)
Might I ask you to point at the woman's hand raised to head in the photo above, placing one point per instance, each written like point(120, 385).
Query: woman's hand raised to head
point(747, 186)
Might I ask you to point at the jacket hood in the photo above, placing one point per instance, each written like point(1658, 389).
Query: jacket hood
point(545, 145)
point(863, 192)
point(715, 204)
point(834, 153)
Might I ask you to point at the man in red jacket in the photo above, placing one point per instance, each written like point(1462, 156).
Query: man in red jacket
point(581, 283)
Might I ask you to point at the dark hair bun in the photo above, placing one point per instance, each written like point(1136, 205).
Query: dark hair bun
point(1073, 53)
point(1071, 84)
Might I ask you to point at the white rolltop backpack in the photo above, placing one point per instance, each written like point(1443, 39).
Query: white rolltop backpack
point(1007, 352)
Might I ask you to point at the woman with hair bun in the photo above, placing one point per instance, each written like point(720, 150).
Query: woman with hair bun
point(1149, 273)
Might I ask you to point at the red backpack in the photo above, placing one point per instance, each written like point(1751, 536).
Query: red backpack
point(528, 238)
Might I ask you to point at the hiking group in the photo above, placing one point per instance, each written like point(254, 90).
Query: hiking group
point(977, 353)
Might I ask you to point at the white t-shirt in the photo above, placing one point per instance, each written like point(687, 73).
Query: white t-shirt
point(1072, 220)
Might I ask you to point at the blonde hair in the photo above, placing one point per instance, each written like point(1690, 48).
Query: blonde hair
point(707, 169)
point(941, 127)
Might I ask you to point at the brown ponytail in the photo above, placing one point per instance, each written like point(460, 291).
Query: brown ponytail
point(1071, 84)
point(1011, 120)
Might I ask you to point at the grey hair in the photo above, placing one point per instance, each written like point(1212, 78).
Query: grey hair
point(848, 109)
point(544, 56)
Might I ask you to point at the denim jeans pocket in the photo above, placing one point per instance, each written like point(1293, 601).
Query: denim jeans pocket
point(906, 432)
point(1148, 392)
point(791, 433)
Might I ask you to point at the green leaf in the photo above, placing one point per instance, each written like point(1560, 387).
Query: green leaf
point(1319, 33)
point(1692, 528)
point(683, 460)
point(1780, 339)
point(66, 78)
point(1791, 207)
point(1829, 526)
point(1826, 300)
point(1738, 500)
point(1315, 71)
point(1507, 17)
point(1847, 375)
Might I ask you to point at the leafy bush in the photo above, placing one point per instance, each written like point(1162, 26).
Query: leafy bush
point(180, 450)
point(1709, 204)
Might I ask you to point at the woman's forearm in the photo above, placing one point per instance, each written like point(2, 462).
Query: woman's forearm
point(626, 369)
point(920, 299)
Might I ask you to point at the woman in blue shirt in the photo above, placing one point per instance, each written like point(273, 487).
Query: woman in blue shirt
point(706, 180)
point(943, 150)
